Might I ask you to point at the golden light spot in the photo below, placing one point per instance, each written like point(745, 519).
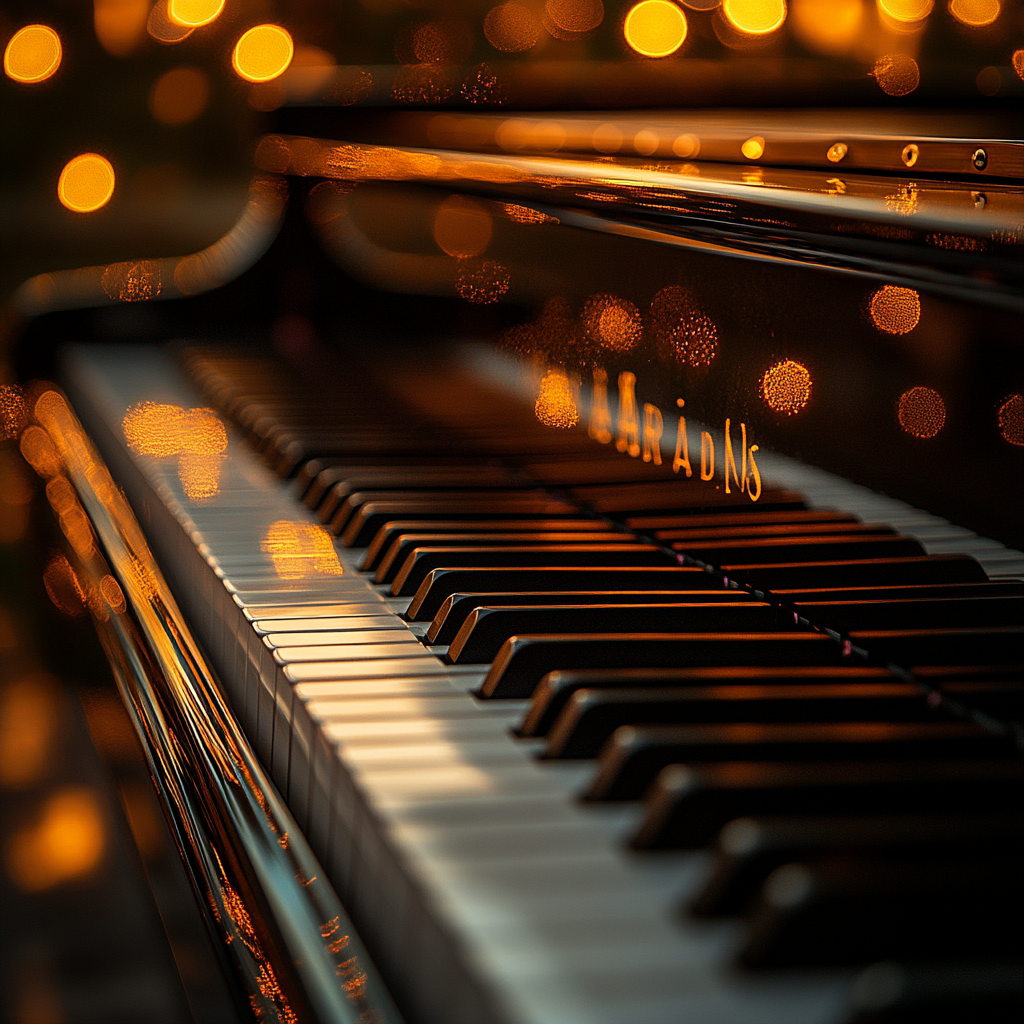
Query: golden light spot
point(555, 405)
point(1011, 420)
point(40, 452)
point(645, 142)
point(120, 24)
point(571, 19)
point(263, 53)
point(786, 387)
point(906, 11)
point(1018, 62)
point(975, 13)
point(921, 412)
point(481, 86)
point(655, 28)
point(524, 215)
point(132, 282)
point(86, 183)
point(614, 323)
point(512, 27)
point(686, 145)
point(112, 593)
point(194, 13)
point(179, 96)
point(67, 842)
point(440, 42)
point(301, 549)
point(895, 310)
point(897, 74)
point(607, 138)
point(29, 713)
point(153, 429)
point(753, 148)
point(63, 588)
point(903, 201)
point(827, 26)
point(33, 54)
point(685, 333)
point(425, 83)
point(13, 413)
point(755, 17)
point(163, 28)
point(837, 151)
point(482, 281)
point(462, 226)
point(61, 495)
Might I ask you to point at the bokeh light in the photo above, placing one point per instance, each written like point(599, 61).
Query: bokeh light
point(906, 11)
point(179, 96)
point(572, 19)
point(481, 281)
point(555, 405)
point(86, 183)
point(13, 412)
point(194, 13)
point(39, 451)
point(753, 148)
point(655, 28)
point(755, 17)
point(33, 54)
point(897, 74)
point(989, 81)
point(29, 716)
point(63, 588)
point(133, 281)
point(921, 412)
point(263, 53)
point(685, 334)
point(300, 549)
point(1018, 63)
point(512, 27)
point(120, 25)
point(786, 387)
point(163, 28)
point(827, 26)
point(154, 429)
point(462, 226)
point(1011, 420)
point(895, 310)
point(975, 13)
point(614, 323)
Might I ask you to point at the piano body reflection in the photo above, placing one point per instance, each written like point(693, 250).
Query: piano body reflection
point(564, 566)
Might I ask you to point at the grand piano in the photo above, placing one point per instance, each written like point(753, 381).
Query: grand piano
point(560, 549)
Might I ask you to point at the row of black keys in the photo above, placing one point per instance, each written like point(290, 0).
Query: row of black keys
point(868, 809)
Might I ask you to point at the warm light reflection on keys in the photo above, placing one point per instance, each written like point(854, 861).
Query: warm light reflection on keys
point(301, 549)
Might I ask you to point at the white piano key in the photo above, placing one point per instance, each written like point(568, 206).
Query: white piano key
point(308, 626)
point(344, 638)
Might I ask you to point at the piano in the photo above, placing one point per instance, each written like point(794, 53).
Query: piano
point(561, 549)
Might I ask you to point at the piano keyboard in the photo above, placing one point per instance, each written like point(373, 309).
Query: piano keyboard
point(580, 752)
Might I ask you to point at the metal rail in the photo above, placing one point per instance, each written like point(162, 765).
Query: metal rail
point(279, 923)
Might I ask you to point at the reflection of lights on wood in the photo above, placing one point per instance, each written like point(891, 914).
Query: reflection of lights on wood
point(686, 145)
point(263, 53)
point(921, 412)
point(481, 86)
point(607, 138)
point(66, 842)
point(897, 74)
point(684, 332)
point(86, 183)
point(63, 588)
point(895, 310)
point(33, 54)
point(424, 83)
point(481, 281)
point(975, 13)
point(837, 152)
point(112, 593)
point(40, 452)
point(1018, 63)
point(194, 13)
point(512, 27)
point(755, 17)
point(179, 96)
point(555, 405)
point(13, 413)
point(1011, 420)
point(753, 148)
point(646, 142)
point(132, 282)
point(614, 323)
point(655, 28)
point(786, 387)
point(29, 711)
point(524, 215)
point(462, 226)
point(120, 24)
point(903, 201)
point(827, 26)
point(301, 549)
point(906, 11)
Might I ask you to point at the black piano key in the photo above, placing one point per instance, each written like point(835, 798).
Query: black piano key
point(487, 628)
point(672, 497)
point(750, 849)
point(374, 514)
point(905, 592)
point(857, 573)
point(998, 645)
point(729, 531)
point(591, 716)
point(557, 688)
point(800, 548)
point(1002, 700)
point(442, 583)
point(393, 559)
point(422, 561)
point(835, 912)
point(688, 805)
point(633, 756)
point(383, 538)
point(735, 516)
point(318, 476)
point(524, 660)
point(457, 608)
point(907, 613)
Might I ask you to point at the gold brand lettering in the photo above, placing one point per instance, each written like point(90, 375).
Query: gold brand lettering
point(682, 456)
point(600, 428)
point(654, 427)
point(757, 476)
point(629, 419)
point(707, 456)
